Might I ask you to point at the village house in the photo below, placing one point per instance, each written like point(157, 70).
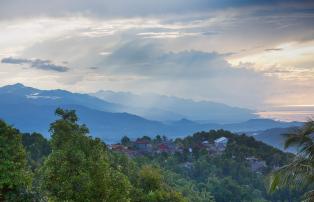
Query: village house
point(163, 148)
point(143, 146)
point(221, 143)
point(205, 143)
point(117, 147)
point(217, 147)
point(123, 149)
point(166, 146)
point(179, 149)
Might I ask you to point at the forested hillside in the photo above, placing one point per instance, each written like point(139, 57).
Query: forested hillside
point(234, 171)
point(72, 166)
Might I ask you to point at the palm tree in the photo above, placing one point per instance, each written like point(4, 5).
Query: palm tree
point(300, 172)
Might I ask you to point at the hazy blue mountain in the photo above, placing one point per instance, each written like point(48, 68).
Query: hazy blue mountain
point(30, 110)
point(275, 137)
point(242, 127)
point(106, 125)
point(167, 108)
point(259, 124)
point(54, 97)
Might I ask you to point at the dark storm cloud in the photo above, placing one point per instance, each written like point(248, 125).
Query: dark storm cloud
point(36, 63)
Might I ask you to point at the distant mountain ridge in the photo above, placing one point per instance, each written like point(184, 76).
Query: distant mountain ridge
point(169, 108)
point(31, 109)
point(55, 97)
point(260, 124)
point(275, 137)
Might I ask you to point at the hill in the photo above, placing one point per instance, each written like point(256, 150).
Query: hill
point(11, 93)
point(230, 167)
point(32, 109)
point(275, 137)
point(169, 108)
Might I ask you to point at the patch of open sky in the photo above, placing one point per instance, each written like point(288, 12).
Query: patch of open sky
point(289, 113)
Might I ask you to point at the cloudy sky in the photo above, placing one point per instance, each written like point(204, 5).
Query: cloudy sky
point(254, 54)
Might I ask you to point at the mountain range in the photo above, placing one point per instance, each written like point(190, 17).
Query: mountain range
point(31, 109)
point(170, 108)
point(275, 137)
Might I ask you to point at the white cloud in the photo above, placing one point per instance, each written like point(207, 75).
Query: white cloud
point(289, 61)
point(171, 47)
point(161, 35)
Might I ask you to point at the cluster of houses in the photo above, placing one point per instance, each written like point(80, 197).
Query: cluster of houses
point(217, 147)
point(143, 147)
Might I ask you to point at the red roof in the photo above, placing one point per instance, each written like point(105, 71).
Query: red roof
point(163, 147)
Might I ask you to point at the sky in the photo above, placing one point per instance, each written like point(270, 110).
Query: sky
point(252, 54)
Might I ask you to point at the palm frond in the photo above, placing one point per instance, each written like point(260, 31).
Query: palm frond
point(300, 172)
point(297, 174)
point(309, 196)
point(292, 140)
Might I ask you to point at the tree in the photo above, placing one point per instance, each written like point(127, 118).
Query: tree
point(150, 178)
point(125, 141)
point(145, 137)
point(15, 177)
point(158, 139)
point(78, 168)
point(152, 187)
point(300, 172)
point(37, 148)
point(188, 187)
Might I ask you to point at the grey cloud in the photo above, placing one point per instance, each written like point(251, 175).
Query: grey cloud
point(273, 49)
point(93, 68)
point(209, 33)
point(13, 8)
point(188, 73)
point(146, 59)
point(36, 63)
point(11, 60)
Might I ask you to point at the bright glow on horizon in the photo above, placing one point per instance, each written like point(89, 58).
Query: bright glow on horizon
point(289, 61)
point(288, 115)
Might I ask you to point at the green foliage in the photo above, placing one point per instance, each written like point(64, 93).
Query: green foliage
point(37, 148)
point(125, 141)
point(15, 178)
point(150, 178)
point(227, 189)
point(190, 189)
point(151, 187)
point(145, 138)
point(148, 182)
point(72, 166)
point(227, 176)
point(299, 174)
point(164, 196)
point(158, 139)
point(78, 168)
